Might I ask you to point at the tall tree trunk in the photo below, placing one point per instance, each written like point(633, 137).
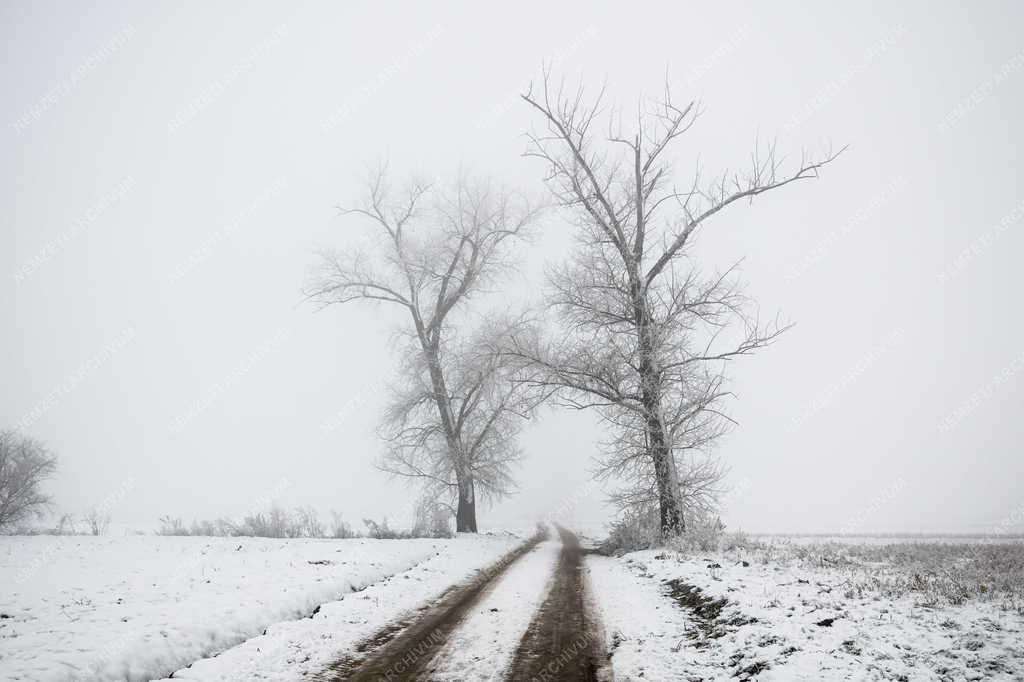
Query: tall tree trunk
point(672, 522)
point(465, 511)
point(665, 474)
point(465, 514)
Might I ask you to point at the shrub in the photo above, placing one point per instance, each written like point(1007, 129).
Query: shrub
point(340, 528)
point(171, 526)
point(218, 528)
point(97, 521)
point(308, 523)
point(381, 531)
point(738, 540)
point(635, 529)
point(431, 519)
point(65, 525)
point(275, 523)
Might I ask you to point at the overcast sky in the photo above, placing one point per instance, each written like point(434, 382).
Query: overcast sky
point(168, 170)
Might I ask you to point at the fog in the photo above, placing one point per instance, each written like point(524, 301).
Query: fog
point(169, 171)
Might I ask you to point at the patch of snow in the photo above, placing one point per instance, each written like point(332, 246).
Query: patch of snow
point(301, 648)
point(138, 607)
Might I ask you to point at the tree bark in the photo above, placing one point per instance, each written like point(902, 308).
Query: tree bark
point(666, 476)
point(672, 522)
point(465, 514)
point(465, 511)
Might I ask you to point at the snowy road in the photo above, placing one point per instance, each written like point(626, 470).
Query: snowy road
point(524, 618)
point(486, 642)
point(404, 650)
point(564, 640)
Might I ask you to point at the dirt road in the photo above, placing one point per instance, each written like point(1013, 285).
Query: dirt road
point(560, 643)
point(403, 650)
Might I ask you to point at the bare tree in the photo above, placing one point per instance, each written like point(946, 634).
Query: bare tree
point(25, 464)
point(431, 519)
point(97, 520)
point(643, 335)
point(309, 523)
point(488, 402)
point(340, 528)
point(452, 418)
point(65, 525)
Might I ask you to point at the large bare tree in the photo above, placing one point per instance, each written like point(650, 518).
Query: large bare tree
point(454, 412)
point(643, 335)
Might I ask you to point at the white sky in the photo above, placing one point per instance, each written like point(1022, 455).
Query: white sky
point(168, 170)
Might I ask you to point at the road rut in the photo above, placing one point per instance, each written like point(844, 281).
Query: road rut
point(562, 643)
point(402, 651)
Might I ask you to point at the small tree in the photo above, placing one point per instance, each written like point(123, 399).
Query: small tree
point(98, 521)
point(340, 528)
point(431, 519)
point(25, 463)
point(65, 525)
point(309, 523)
point(170, 525)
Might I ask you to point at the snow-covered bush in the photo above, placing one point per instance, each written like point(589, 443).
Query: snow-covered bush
point(218, 528)
point(308, 523)
point(276, 522)
point(737, 540)
point(635, 529)
point(171, 526)
point(97, 521)
point(382, 531)
point(638, 529)
point(65, 525)
point(707, 534)
point(340, 528)
point(431, 519)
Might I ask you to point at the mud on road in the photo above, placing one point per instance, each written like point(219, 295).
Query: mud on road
point(403, 650)
point(561, 642)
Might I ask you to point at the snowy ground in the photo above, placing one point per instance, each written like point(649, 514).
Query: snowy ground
point(779, 616)
point(142, 607)
point(299, 648)
point(881, 538)
point(139, 607)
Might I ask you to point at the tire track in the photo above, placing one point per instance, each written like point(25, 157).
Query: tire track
point(402, 651)
point(482, 648)
point(563, 642)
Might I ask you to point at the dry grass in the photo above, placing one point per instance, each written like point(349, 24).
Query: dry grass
point(933, 573)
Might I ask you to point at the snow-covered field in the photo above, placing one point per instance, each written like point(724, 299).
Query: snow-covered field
point(883, 539)
point(797, 615)
point(143, 607)
point(139, 607)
